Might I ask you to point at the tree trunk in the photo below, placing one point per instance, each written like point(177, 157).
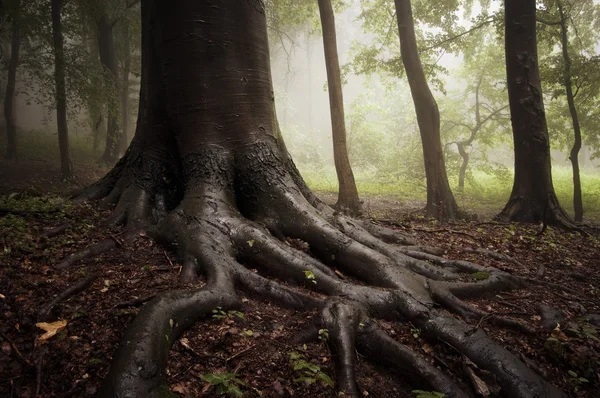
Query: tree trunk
point(208, 174)
point(125, 82)
point(348, 194)
point(11, 79)
point(66, 167)
point(115, 142)
point(532, 198)
point(440, 200)
point(463, 167)
point(574, 155)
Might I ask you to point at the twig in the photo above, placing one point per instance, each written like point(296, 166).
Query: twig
point(72, 290)
point(14, 347)
point(240, 352)
point(452, 231)
point(168, 259)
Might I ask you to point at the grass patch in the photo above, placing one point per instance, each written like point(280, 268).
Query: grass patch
point(485, 193)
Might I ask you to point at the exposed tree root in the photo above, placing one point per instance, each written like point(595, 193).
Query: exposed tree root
point(235, 212)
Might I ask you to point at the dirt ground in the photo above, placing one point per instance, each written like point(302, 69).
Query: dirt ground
point(263, 344)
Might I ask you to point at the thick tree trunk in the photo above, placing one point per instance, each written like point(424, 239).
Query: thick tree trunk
point(66, 167)
point(115, 141)
point(574, 155)
point(533, 198)
point(207, 127)
point(440, 200)
point(9, 111)
point(125, 83)
point(348, 194)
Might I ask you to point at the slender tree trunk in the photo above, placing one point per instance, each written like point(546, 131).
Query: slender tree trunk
point(125, 83)
point(9, 95)
point(348, 194)
point(440, 200)
point(574, 155)
point(115, 142)
point(533, 198)
point(66, 167)
point(464, 165)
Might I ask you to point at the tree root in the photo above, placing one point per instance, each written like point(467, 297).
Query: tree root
point(374, 343)
point(237, 208)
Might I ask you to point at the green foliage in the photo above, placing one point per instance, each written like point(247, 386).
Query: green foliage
point(219, 313)
point(224, 383)
point(323, 335)
point(309, 275)
point(309, 372)
point(481, 275)
point(428, 394)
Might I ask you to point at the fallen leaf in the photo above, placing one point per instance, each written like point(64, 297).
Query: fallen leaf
point(51, 328)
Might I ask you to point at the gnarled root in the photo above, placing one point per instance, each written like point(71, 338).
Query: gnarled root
point(237, 207)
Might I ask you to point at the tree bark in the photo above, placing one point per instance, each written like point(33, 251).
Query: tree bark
point(125, 82)
point(574, 155)
point(66, 167)
point(115, 142)
point(9, 111)
point(533, 198)
point(348, 194)
point(440, 200)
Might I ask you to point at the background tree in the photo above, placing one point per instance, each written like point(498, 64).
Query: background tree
point(532, 198)
point(66, 167)
point(485, 122)
point(348, 194)
point(440, 200)
point(12, 10)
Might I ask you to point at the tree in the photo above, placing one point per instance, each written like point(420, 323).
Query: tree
point(9, 112)
point(348, 194)
point(440, 200)
point(533, 198)
point(66, 167)
point(208, 173)
point(567, 74)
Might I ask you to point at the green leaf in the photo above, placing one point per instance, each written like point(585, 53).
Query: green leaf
point(307, 380)
point(326, 380)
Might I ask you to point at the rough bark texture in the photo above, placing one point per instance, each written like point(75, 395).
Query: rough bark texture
point(574, 154)
point(66, 167)
point(440, 200)
point(532, 198)
point(348, 200)
point(207, 173)
point(11, 79)
point(115, 141)
point(124, 93)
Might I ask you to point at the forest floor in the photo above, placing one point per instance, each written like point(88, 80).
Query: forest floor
point(260, 345)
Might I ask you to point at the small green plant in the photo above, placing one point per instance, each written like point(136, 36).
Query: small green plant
point(219, 313)
point(310, 276)
point(224, 383)
point(481, 276)
point(575, 379)
point(416, 332)
point(428, 394)
point(585, 330)
point(323, 335)
point(555, 347)
point(310, 372)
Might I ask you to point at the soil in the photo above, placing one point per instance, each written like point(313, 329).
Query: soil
point(263, 343)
